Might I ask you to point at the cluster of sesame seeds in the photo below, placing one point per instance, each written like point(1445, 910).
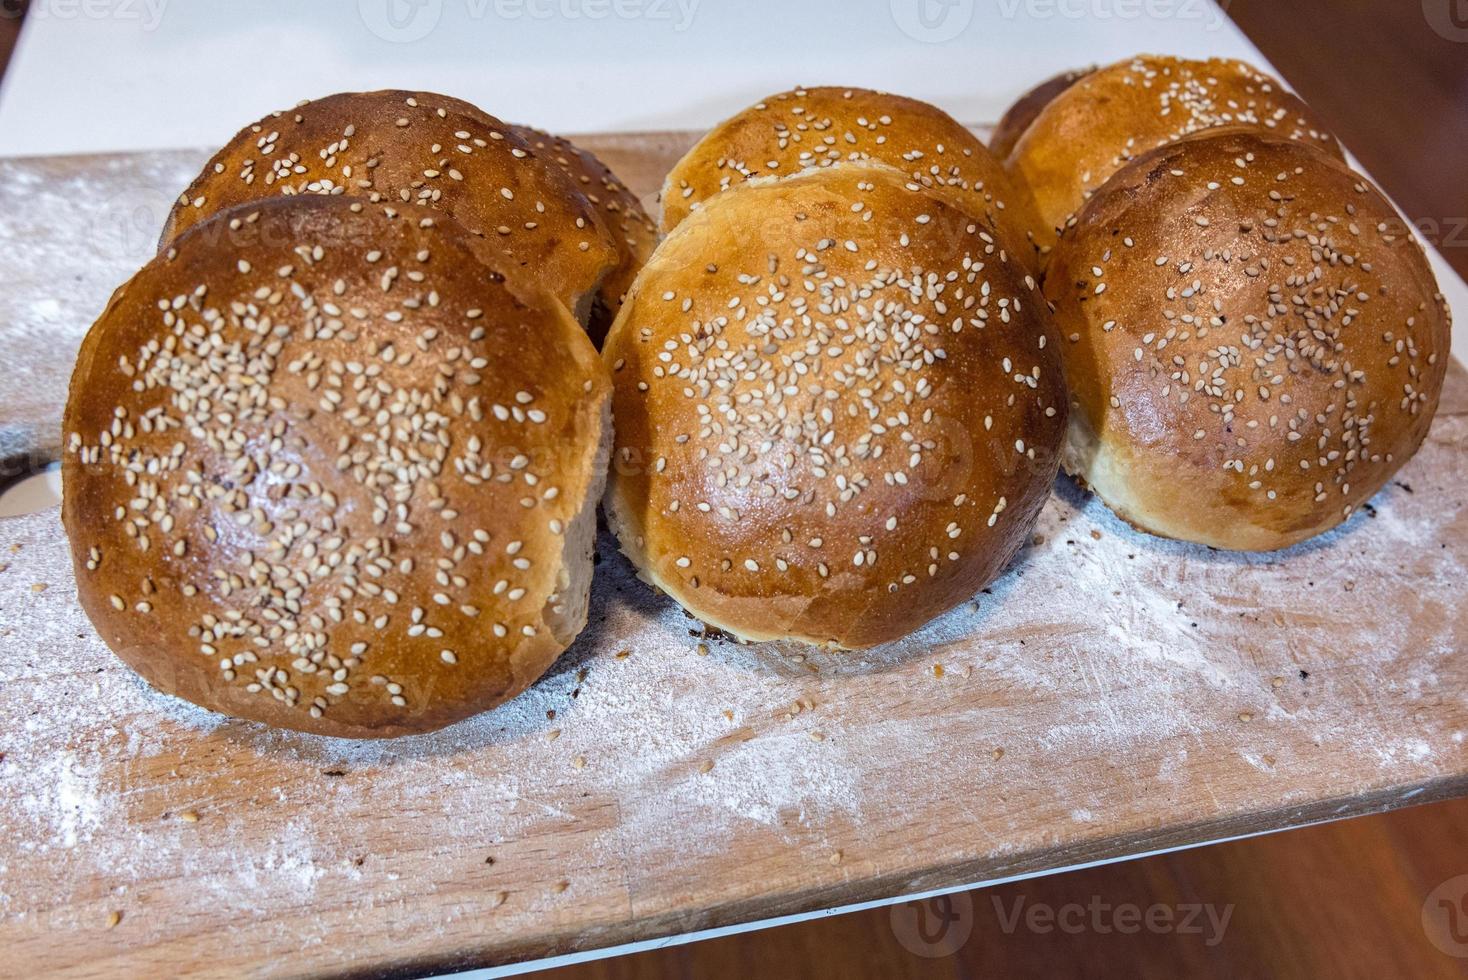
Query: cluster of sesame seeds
point(820, 389)
point(622, 213)
point(1266, 334)
point(1117, 114)
point(1194, 96)
point(292, 446)
point(601, 187)
point(1191, 97)
point(809, 128)
point(400, 148)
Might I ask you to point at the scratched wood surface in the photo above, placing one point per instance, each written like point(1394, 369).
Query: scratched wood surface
point(1112, 694)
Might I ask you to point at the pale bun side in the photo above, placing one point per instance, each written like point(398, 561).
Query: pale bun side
point(839, 408)
point(822, 125)
point(1088, 131)
point(1254, 342)
point(401, 147)
point(326, 470)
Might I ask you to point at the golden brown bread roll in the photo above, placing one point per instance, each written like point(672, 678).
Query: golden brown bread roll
point(326, 470)
point(422, 148)
point(1254, 342)
point(636, 233)
point(1087, 132)
point(839, 408)
point(1017, 117)
point(816, 127)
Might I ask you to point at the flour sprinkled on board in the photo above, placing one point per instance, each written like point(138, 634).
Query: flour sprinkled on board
point(1151, 687)
point(652, 745)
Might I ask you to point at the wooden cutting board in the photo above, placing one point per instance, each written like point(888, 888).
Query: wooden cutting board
point(1112, 694)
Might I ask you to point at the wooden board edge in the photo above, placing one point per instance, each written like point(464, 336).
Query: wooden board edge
point(892, 889)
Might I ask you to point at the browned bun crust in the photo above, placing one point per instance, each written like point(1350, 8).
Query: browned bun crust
point(317, 443)
point(1113, 114)
point(1017, 117)
point(401, 147)
point(636, 233)
point(816, 127)
point(839, 408)
point(1254, 342)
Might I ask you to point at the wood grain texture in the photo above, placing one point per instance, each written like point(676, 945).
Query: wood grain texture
point(1112, 694)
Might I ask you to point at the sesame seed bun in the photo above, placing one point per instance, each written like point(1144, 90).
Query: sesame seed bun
point(402, 147)
point(839, 408)
point(816, 127)
point(1017, 117)
point(326, 470)
point(636, 234)
point(1253, 340)
point(1088, 131)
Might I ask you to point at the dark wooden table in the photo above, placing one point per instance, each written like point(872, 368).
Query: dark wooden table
point(12, 12)
point(1390, 77)
point(1341, 900)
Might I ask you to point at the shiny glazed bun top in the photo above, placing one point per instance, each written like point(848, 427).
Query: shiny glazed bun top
point(1088, 131)
point(326, 470)
point(397, 147)
point(816, 127)
point(1254, 342)
point(839, 408)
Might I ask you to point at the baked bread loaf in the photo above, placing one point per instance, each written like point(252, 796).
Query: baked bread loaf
point(1017, 117)
point(816, 127)
point(420, 148)
point(621, 212)
point(326, 470)
point(1254, 342)
point(839, 408)
point(1088, 131)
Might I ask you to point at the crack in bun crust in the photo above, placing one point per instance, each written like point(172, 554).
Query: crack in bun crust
point(635, 232)
point(820, 126)
point(1100, 121)
point(398, 147)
